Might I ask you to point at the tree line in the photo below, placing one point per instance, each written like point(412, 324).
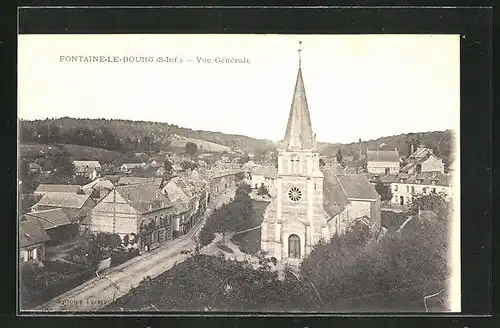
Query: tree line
point(353, 272)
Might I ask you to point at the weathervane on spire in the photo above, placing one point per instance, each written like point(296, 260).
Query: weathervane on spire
point(299, 50)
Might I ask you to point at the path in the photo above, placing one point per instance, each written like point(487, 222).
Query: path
point(116, 282)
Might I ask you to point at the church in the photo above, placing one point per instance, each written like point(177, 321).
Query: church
point(310, 203)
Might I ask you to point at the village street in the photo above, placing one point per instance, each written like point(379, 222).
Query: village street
point(116, 282)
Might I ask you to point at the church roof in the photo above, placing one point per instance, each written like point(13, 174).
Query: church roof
point(357, 187)
point(334, 197)
point(299, 134)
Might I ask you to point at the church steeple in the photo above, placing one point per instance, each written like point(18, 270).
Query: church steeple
point(299, 133)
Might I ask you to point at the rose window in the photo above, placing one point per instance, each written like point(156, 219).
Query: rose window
point(294, 194)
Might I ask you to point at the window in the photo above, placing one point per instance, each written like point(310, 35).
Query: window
point(32, 254)
point(424, 190)
point(294, 194)
point(412, 189)
point(315, 186)
point(433, 190)
point(396, 188)
point(407, 189)
point(294, 247)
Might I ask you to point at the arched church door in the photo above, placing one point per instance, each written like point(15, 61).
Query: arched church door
point(294, 247)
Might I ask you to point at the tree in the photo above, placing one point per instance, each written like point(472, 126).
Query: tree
point(384, 191)
point(191, 148)
point(63, 170)
point(168, 167)
point(206, 235)
point(339, 156)
point(244, 159)
point(321, 162)
point(263, 191)
point(188, 165)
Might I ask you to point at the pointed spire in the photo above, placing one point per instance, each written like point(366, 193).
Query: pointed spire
point(299, 133)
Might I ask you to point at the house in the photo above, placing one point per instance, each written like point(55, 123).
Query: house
point(189, 199)
point(225, 159)
point(43, 189)
point(98, 188)
point(35, 168)
point(56, 224)
point(160, 172)
point(136, 180)
point(76, 206)
point(423, 160)
point(251, 156)
point(382, 161)
point(405, 186)
point(88, 169)
point(249, 165)
point(131, 166)
point(138, 211)
point(263, 176)
point(32, 241)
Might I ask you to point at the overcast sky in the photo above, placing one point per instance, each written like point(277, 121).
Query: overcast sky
point(358, 86)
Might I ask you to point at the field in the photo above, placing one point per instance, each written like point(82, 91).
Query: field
point(180, 142)
point(76, 152)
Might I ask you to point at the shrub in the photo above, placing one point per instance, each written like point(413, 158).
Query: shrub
point(206, 236)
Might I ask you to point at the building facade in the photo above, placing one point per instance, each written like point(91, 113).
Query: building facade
point(405, 187)
point(384, 162)
point(307, 207)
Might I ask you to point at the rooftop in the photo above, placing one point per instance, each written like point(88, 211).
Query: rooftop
point(31, 232)
point(63, 200)
point(382, 155)
point(50, 218)
point(44, 188)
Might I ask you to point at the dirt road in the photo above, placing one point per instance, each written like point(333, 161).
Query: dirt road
point(103, 290)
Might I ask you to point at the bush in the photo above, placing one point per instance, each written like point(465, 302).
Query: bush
point(225, 248)
point(206, 236)
point(122, 257)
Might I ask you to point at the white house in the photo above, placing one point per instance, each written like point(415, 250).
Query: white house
point(423, 160)
point(263, 176)
point(88, 169)
point(382, 161)
point(406, 186)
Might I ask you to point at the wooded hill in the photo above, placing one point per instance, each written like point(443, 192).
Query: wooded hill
point(140, 136)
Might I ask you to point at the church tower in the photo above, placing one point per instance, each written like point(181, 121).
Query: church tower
point(295, 220)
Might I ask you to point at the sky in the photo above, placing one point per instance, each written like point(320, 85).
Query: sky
point(357, 86)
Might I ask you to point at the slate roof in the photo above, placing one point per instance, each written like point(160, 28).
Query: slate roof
point(44, 188)
point(99, 184)
point(266, 171)
point(421, 152)
point(299, 132)
point(382, 156)
point(31, 232)
point(63, 200)
point(144, 197)
point(427, 178)
point(334, 198)
point(137, 180)
point(50, 218)
point(357, 187)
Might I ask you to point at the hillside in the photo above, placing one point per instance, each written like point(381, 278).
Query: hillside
point(139, 136)
point(33, 151)
point(441, 141)
point(127, 135)
point(203, 145)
